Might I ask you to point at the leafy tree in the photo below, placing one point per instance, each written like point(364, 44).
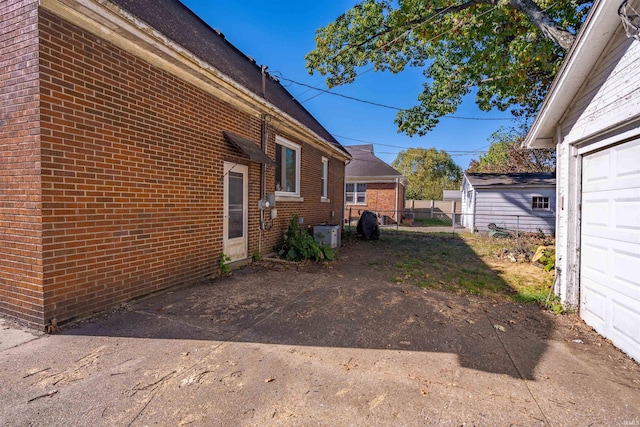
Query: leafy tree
point(505, 51)
point(428, 172)
point(506, 155)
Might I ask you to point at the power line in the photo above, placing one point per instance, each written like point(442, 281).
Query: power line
point(462, 152)
point(364, 101)
point(396, 39)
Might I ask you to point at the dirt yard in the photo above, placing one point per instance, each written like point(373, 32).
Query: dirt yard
point(408, 330)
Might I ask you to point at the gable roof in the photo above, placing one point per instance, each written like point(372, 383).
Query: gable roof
point(366, 164)
point(177, 22)
point(511, 180)
point(593, 37)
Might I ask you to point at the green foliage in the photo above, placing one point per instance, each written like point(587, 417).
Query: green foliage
point(299, 245)
point(555, 305)
point(223, 264)
point(256, 256)
point(428, 172)
point(548, 259)
point(506, 155)
point(506, 53)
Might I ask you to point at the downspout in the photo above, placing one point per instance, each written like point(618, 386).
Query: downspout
point(264, 138)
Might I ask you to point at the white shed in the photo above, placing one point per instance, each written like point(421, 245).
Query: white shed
point(516, 201)
point(592, 116)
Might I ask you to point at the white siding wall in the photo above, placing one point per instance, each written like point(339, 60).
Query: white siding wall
point(512, 208)
point(610, 96)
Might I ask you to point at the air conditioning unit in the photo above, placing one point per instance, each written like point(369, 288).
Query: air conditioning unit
point(328, 235)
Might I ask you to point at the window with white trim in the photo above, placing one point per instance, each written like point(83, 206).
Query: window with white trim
point(324, 178)
point(540, 203)
point(287, 168)
point(356, 193)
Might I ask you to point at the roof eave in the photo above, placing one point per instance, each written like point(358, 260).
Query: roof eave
point(591, 41)
point(92, 15)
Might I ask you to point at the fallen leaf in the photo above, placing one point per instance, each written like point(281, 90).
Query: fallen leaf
point(499, 328)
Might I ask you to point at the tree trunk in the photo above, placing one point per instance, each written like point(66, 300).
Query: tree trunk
point(545, 24)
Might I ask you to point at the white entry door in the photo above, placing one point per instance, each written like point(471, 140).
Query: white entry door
point(610, 259)
point(236, 194)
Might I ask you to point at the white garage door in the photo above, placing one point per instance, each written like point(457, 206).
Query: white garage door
point(610, 242)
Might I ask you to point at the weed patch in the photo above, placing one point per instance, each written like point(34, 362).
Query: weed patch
point(464, 263)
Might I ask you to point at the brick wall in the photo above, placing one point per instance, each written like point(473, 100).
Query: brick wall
point(313, 210)
point(132, 175)
point(381, 198)
point(20, 226)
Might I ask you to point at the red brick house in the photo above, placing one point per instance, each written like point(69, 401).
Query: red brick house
point(136, 143)
point(372, 185)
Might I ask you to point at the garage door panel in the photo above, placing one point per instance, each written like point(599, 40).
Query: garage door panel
point(611, 269)
point(596, 212)
point(625, 324)
point(610, 245)
point(626, 320)
point(627, 215)
point(594, 257)
point(627, 159)
point(594, 304)
point(598, 171)
point(626, 269)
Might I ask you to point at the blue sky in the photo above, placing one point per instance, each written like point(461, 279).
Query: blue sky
point(279, 33)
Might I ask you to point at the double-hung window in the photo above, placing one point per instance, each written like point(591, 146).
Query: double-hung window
point(324, 177)
point(356, 193)
point(540, 203)
point(287, 168)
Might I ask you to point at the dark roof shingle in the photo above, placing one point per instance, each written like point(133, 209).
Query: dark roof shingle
point(365, 163)
point(177, 22)
point(511, 179)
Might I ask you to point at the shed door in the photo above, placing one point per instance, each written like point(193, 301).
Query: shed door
point(610, 242)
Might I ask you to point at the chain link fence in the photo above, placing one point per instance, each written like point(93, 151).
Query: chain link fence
point(498, 225)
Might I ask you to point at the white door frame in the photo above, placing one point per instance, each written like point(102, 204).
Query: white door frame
point(235, 247)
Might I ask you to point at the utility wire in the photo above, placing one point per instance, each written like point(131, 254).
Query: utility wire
point(344, 48)
point(396, 39)
point(364, 101)
point(355, 147)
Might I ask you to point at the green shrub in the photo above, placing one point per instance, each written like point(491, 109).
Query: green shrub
point(298, 244)
point(548, 259)
point(223, 264)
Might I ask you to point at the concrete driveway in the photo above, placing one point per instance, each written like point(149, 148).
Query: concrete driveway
point(331, 345)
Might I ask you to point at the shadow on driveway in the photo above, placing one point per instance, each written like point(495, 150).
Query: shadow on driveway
point(348, 303)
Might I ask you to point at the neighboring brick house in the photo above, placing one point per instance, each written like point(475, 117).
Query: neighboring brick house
point(132, 149)
point(372, 185)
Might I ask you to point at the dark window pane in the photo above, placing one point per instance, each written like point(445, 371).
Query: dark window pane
point(236, 205)
point(291, 171)
point(279, 185)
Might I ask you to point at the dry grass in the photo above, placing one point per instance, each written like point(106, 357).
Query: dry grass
point(463, 263)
